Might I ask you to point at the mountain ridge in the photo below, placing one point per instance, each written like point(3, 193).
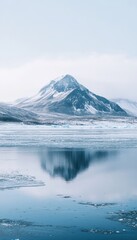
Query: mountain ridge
point(10, 113)
point(129, 106)
point(65, 100)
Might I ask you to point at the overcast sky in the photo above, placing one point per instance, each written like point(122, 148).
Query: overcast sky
point(93, 40)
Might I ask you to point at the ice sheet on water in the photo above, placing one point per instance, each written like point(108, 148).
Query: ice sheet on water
point(97, 205)
point(16, 180)
point(128, 218)
point(103, 231)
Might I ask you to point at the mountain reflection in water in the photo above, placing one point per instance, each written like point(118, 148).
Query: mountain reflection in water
point(68, 163)
point(93, 175)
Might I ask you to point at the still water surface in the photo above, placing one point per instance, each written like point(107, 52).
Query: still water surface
point(68, 193)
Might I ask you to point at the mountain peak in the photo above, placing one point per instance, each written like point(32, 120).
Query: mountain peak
point(66, 77)
point(62, 84)
point(65, 83)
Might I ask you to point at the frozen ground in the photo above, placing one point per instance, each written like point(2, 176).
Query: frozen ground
point(104, 134)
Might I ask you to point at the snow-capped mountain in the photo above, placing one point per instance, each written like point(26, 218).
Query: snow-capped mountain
point(129, 106)
point(66, 96)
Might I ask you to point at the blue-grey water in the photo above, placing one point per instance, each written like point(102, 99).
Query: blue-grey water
point(61, 183)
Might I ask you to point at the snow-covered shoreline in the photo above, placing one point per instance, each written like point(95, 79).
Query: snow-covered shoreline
point(98, 135)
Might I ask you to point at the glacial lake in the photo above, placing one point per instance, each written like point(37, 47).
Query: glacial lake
point(67, 183)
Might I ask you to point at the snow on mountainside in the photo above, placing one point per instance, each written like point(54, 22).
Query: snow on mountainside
point(129, 106)
point(9, 113)
point(66, 96)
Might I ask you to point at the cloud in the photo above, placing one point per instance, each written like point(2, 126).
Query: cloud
point(109, 75)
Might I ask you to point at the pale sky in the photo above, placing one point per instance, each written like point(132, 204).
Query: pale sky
point(93, 40)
